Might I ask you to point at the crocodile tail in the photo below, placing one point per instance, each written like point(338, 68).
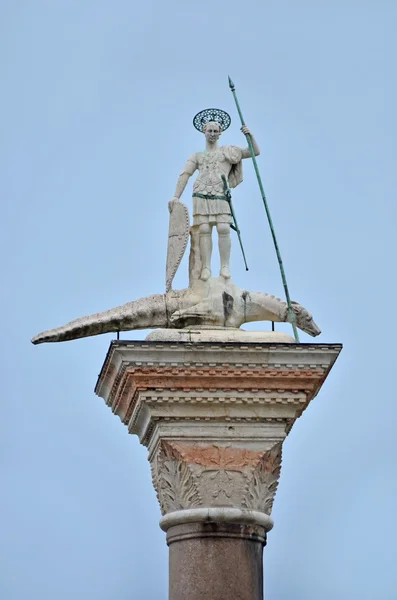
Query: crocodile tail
point(146, 313)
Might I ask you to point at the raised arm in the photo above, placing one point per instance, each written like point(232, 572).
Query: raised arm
point(247, 151)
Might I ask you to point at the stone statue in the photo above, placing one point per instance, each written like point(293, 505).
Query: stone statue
point(210, 205)
point(215, 305)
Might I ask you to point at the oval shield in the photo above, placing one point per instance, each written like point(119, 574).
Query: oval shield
point(178, 236)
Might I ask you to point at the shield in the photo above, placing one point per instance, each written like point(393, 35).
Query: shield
point(178, 236)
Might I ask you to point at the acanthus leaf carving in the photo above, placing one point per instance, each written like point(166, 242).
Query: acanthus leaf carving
point(174, 481)
point(261, 488)
point(193, 476)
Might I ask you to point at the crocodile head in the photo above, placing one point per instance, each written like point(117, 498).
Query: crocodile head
point(304, 320)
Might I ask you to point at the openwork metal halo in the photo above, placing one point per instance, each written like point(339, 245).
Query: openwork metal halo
point(212, 114)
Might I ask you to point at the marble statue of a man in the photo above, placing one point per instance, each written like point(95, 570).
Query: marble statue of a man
point(210, 206)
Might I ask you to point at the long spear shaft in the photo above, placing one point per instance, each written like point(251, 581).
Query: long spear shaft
point(269, 218)
point(234, 226)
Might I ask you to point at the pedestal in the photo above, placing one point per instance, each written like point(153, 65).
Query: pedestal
point(213, 417)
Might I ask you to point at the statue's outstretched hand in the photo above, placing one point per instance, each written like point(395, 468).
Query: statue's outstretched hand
point(171, 203)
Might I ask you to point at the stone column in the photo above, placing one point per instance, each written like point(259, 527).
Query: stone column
point(216, 561)
point(213, 417)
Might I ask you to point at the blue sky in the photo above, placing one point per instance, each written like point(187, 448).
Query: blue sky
point(97, 101)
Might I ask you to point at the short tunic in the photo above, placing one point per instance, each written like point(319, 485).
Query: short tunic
point(211, 166)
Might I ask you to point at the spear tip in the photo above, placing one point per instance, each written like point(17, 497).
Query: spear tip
point(231, 84)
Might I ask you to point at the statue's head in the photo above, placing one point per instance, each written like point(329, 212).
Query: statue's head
point(212, 121)
point(212, 130)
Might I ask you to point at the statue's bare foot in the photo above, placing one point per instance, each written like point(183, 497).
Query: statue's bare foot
point(206, 274)
point(225, 272)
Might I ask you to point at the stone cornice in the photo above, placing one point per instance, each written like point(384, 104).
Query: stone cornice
point(182, 372)
point(199, 354)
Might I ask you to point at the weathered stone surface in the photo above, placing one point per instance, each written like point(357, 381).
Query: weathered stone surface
point(224, 335)
point(210, 206)
point(178, 236)
point(216, 561)
point(215, 303)
point(221, 514)
point(196, 475)
point(213, 404)
point(213, 415)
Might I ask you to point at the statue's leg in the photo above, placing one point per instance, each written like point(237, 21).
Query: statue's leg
point(224, 248)
point(194, 256)
point(205, 231)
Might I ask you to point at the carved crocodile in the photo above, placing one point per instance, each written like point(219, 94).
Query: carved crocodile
point(217, 303)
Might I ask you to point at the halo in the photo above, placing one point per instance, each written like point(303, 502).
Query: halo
point(211, 114)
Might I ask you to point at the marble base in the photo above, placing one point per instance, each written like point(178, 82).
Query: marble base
point(221, 334)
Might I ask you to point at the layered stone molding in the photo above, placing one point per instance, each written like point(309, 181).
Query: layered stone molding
point(213, 417)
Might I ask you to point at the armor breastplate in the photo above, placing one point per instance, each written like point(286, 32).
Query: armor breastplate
point(211, 166)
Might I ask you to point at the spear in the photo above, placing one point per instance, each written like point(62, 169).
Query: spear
point(234, 226)
point(269, 218)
